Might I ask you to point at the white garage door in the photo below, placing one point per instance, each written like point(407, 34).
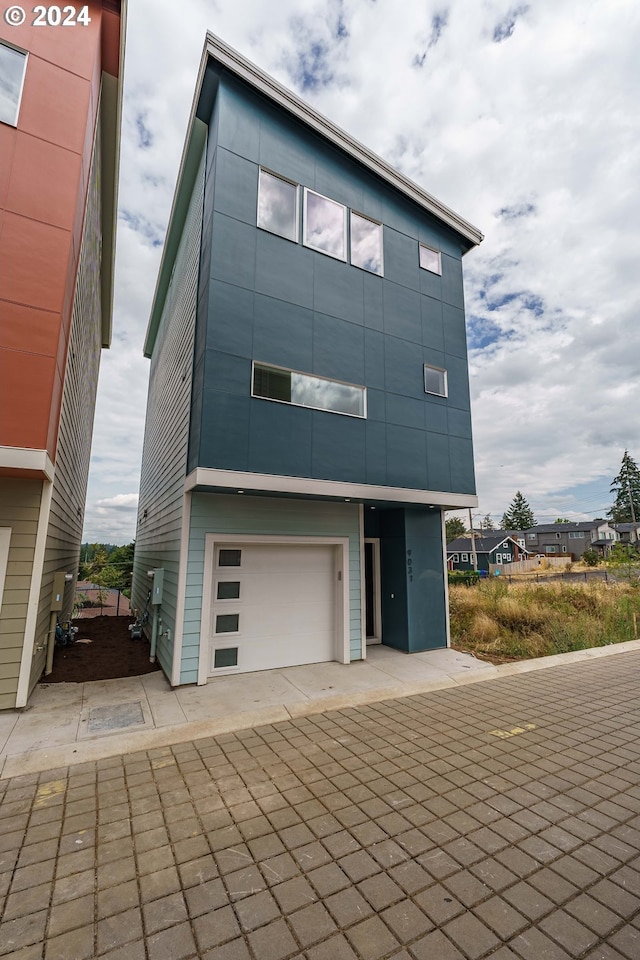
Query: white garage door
point(272, 605)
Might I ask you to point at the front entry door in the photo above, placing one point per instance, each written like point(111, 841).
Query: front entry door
point(373, 615)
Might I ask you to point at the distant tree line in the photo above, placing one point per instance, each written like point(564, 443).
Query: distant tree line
point(107, 565)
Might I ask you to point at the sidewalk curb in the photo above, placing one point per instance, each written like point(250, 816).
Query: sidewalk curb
point(38, 761)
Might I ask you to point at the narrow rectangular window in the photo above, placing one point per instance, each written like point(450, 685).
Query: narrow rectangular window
point(227, 657)
point(324, 225)
point(305, 390)
point(366, 243)
point(228, 590)
point(229, 558)
point(278, 205)
point(13, 63)
point(430, 259)
point(435, 380)
point(227, 622)
point(464, 558)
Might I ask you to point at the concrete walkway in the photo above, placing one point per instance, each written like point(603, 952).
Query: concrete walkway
point(72, 723)
point(496, 819)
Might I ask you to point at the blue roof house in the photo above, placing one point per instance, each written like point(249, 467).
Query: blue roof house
point(308, 418)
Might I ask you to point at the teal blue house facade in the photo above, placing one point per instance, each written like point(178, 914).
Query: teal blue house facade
point(308, 419)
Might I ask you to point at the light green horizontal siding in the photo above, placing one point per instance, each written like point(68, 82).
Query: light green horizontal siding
point(267, 516)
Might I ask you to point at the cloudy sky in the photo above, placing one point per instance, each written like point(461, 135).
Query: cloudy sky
point(522, 117)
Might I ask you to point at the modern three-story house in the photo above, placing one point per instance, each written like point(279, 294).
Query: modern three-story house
point(308, 418)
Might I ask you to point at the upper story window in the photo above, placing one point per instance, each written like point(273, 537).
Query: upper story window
point(435, 380)
point(304, 390)
point(366, 243)
point(324, 225)
point(278, 205)
point(430, 259)
point(13, 63)
point(576, 535)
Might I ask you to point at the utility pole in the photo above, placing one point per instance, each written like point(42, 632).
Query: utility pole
point(473, 542)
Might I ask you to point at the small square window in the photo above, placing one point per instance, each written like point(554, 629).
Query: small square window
point(227, 622)
point(430, 259)
point(227, 657)
point(229, 558)
point(278, 206)
point(464, 558)
point(435, 380)
point(228, 590)
point(325, 225)
point(12, 69)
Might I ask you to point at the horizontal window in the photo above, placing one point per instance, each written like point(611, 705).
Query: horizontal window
point(430, 259)
point(366, 243)
point(579, 535)
point(12, 68)
point(304, 390)
point(325, 225)
point(278, 206)
point(435, 380)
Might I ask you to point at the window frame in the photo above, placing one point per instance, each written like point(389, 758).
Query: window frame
point(445, 379)
point(305, 406)
point(292, 183)
point(345, 232)
point(25, 56)
point(426, 246)
point(377, 223)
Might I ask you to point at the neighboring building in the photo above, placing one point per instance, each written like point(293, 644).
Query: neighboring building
point(571, 539)
point(627, 532)
point(308, 419)
point(59, 143)
point(495, 548)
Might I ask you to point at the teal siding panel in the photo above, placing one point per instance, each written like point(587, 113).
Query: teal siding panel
point(254, 516)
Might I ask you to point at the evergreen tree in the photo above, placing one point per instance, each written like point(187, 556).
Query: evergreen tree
point(487, 523)
point(454, 528)
point(519, 516)
point(626, 487)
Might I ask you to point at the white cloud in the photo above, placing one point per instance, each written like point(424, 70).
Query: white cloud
point(535, 139)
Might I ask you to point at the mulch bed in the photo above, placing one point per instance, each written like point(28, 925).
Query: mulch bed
point(110, 655)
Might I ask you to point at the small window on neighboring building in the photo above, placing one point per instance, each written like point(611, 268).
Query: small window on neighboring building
point(455, 558)
point(366, 243)
point(325, 225)
point(304, 390)
point(435, 380)
point(532, 536)
point(278, 205)
point(550, 548)
point(430, 259)
point(464, 558)
point(12, 69)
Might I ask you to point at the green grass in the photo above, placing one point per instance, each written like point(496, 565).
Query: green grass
point(499, 621)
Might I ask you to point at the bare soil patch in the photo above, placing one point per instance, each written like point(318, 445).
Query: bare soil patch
point(110, 655)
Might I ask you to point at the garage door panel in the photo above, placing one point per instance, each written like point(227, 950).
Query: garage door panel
point(286, 606)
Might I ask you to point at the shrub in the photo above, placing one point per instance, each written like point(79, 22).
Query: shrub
point(466, 577)
point(591, 557)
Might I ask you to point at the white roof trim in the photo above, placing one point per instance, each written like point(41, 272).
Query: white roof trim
point(252, 74)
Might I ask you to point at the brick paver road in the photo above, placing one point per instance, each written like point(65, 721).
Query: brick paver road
point(498, 819)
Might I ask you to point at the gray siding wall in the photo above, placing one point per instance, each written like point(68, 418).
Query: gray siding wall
point(212, 513)
point(164, 457)
point(19, 511)
point(265, 298)
point(73, 451)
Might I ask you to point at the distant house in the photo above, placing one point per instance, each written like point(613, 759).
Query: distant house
point(571, 539)
point(627, 532)
point(498, 548)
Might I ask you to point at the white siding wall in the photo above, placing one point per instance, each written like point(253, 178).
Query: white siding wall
point(164, 458)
